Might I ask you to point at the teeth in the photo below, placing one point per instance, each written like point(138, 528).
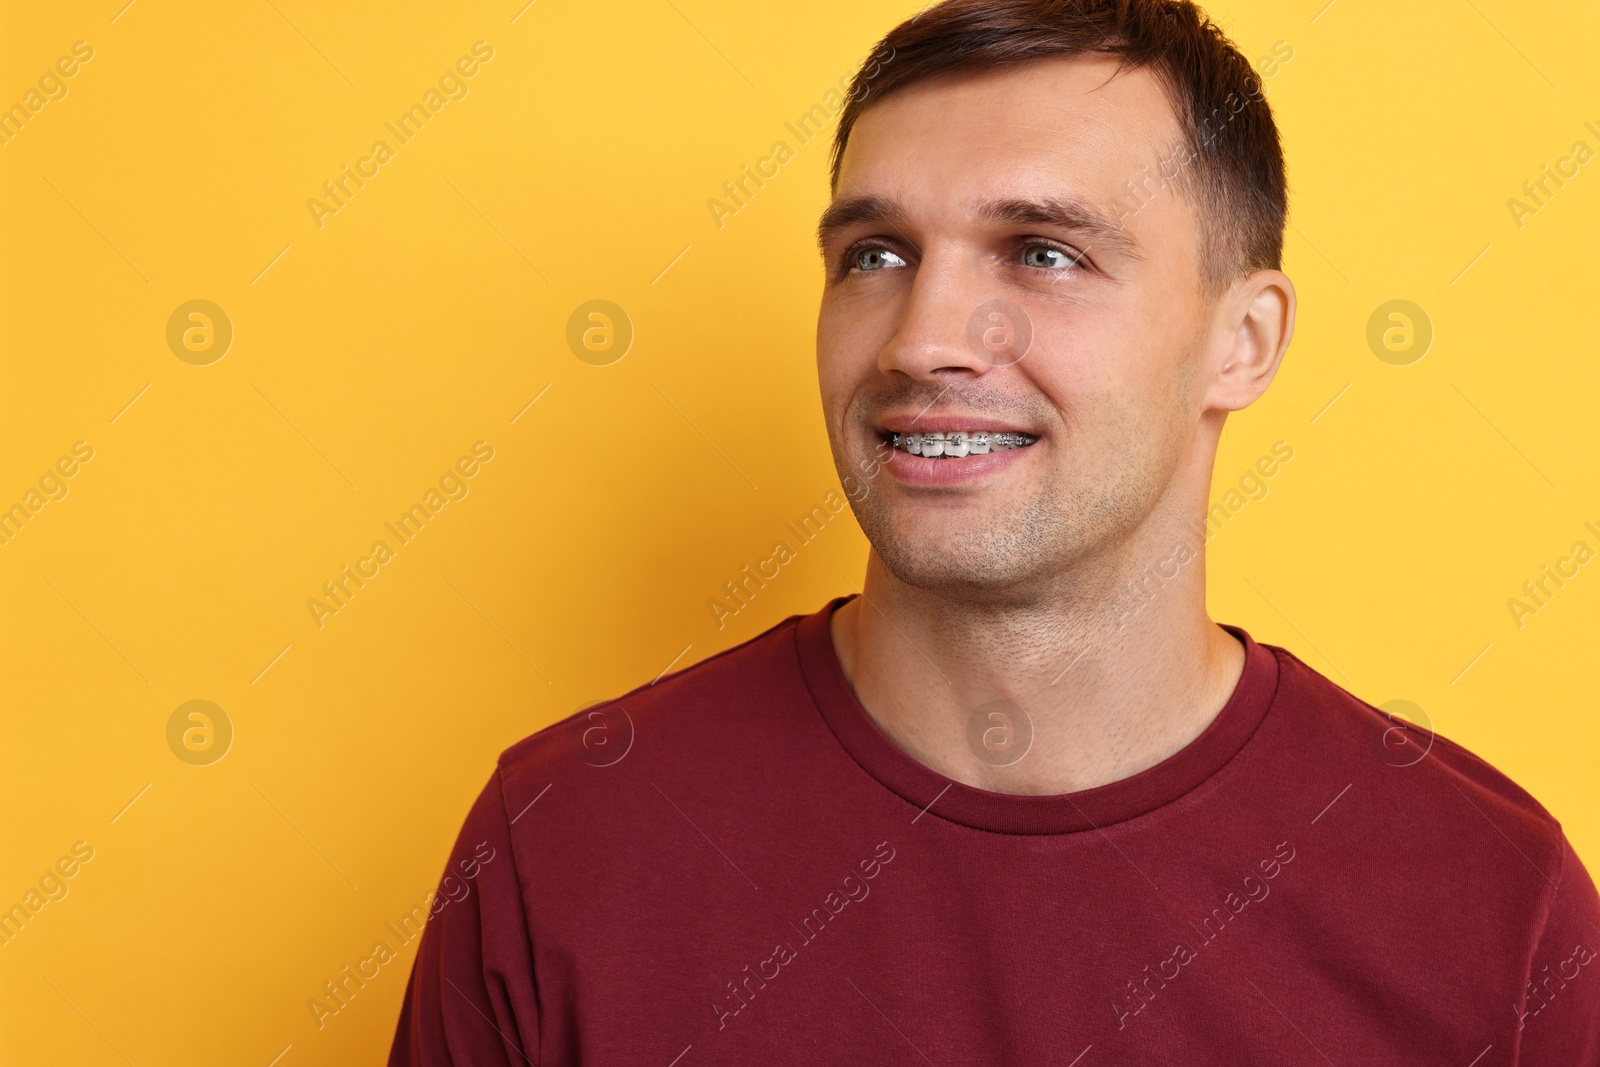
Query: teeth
point(959, 443)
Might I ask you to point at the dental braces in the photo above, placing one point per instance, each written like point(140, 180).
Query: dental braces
point(963, 443)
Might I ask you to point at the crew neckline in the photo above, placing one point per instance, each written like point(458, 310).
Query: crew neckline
point(1059, 813)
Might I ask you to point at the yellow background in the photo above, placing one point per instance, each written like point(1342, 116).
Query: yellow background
point(431, 310)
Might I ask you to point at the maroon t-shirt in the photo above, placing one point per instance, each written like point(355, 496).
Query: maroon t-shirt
point(734, 865)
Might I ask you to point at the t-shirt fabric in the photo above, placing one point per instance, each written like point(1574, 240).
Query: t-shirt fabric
point(735, 865)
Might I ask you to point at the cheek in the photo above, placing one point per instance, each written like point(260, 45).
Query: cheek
point(850, 336)
point(860, 315)
point(1110, 396)
point(1162, 346)
point(1085, 362)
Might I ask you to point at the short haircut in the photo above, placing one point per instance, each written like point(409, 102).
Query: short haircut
point(1229, 161)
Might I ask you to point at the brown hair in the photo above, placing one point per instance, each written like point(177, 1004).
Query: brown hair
point(1230, 160)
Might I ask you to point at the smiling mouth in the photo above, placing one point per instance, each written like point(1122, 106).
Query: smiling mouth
point(958, 444)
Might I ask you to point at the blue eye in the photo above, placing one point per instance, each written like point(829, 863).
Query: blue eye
point(874, 258)
point(1047, 257)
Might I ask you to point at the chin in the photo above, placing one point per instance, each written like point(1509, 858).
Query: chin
point(940, 558)
point(966, 580)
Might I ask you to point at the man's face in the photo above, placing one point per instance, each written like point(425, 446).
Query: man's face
point(993, 220)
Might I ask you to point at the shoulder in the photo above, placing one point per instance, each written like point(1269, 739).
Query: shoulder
point(1437, 857)
point(685, 717)
point(1446, 798)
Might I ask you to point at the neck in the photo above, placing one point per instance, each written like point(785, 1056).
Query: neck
point(1107, 671)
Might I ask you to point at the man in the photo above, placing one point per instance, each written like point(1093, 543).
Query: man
point(1020, 801)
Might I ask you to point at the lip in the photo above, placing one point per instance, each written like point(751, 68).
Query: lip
point(924, 472)
point(946, 423)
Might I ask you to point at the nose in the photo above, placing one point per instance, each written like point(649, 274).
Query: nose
point(935, 339)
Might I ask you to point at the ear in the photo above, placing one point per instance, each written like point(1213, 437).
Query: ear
point(1255, 323)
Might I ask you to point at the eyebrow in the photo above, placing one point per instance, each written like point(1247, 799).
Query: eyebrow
point(1068, 213)
point(851, 210)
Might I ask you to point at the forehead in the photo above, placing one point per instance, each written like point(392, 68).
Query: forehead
point(1060, 126)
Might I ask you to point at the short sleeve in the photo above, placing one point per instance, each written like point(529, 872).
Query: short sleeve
point(471, 997)
point(1559, 1017)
